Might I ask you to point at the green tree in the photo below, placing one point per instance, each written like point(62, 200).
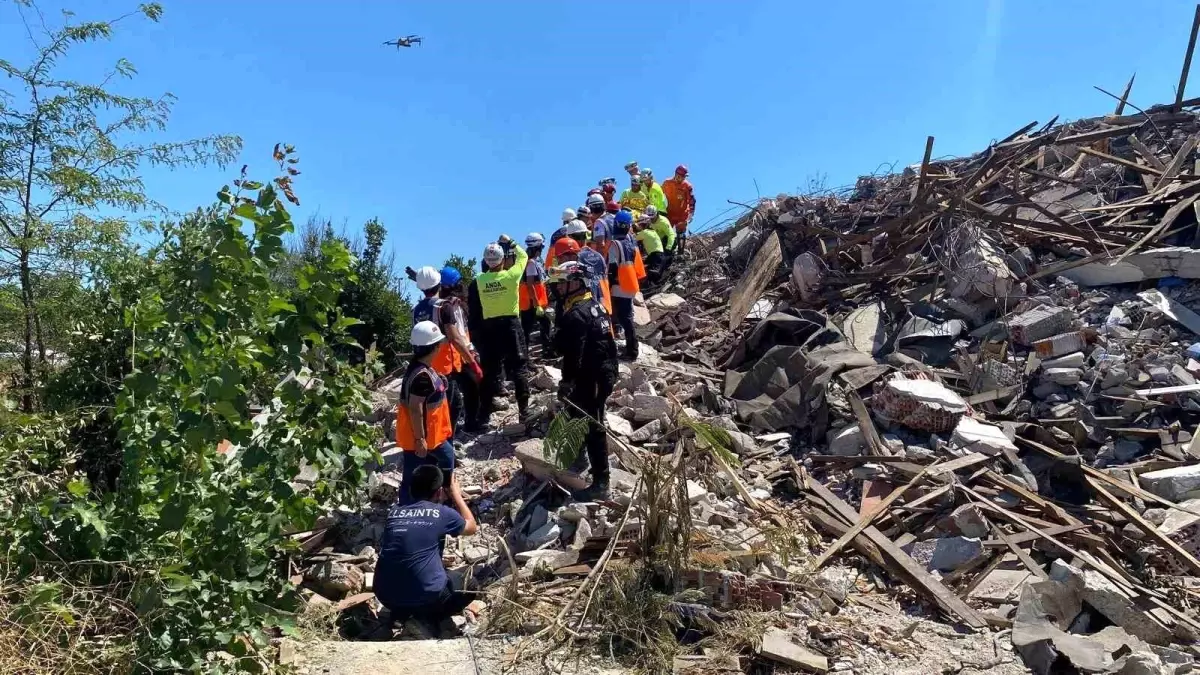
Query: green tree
point(465, 267)
point(376, 299)
point(67, 150)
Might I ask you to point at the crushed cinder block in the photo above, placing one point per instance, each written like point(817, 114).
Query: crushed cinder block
point(918, 404)
point(1175, 484)
point(1039, 323)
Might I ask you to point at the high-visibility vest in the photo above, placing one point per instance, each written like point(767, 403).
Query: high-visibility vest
point(437, 411)
point(651, 241)
point(499, 291)
point(532, 291)
point(627, 277)
point(446, 360)
point(638, 266)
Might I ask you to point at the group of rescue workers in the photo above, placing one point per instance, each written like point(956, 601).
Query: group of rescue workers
point(578, 293)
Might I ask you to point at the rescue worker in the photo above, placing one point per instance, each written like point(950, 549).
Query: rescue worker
point(589, 369)
point(410, 578)
point(568, 215)
point(456, 350)
point(595, 264)
point(471, 375)
point(652, 248)
point(654, 191)
point(499, 299)
point(423, 427)
point(662, 227)
point(623, 279)
point(681, 203)
point(609, 191)
point(635, 198)
point(533, 299)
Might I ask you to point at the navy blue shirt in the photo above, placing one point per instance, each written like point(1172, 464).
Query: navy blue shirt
point(410, 571)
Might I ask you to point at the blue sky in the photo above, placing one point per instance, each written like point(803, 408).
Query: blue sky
point(510, 111)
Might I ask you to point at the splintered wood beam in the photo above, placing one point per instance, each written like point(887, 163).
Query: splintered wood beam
point(752, 284)
point(1125, 96)
point(1187, 61)
point(1145, 526)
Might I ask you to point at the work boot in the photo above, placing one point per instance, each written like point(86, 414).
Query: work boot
point(597, 491)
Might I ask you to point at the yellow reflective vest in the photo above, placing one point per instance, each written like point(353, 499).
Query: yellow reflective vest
point(499, 292)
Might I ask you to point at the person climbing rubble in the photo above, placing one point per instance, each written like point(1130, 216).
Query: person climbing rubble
point(455, 352)
point(654, 191)
point(635, 197)
point(499, 301)
point(423, 426)
point(470, 376)
point(410, 578)
point(681, 203)
point(666, 233)
point(623, 279)
point(651, 247)
point(589, 367)
point(533, 298)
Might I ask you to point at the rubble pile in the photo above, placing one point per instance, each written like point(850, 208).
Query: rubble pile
point(956, 403)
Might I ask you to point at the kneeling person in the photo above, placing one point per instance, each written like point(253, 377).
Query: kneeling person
point(410, 579)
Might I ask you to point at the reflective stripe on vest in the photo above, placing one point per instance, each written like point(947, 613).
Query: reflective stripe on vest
point(437, 412)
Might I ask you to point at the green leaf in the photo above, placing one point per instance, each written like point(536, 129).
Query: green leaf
point(278, 305)
point(77, 488)
point(225, 409)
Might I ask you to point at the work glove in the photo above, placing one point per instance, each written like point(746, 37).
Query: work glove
point(505, 241)
point(475, 372)
point(411, 273)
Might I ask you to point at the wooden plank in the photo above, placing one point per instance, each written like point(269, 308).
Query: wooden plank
point(1145, 526)
point(752, 284)
point(835, 527)
point(1099, 134)
point(875, 444)
point(932, 588)
point(1146, 153)
point(1026, 560)
point(1026, 537)
point(1187, 62)
point(1176, 164)
point(866, 519)
point(1123, 162)
point(917, 197)
point(1125, 96)
point(1168, 218)
point(963, 462)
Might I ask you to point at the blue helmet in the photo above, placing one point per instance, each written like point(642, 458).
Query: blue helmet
point(621, 223)
point(451, 276)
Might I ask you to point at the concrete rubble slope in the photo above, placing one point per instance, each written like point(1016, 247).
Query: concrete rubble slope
point(966, 401)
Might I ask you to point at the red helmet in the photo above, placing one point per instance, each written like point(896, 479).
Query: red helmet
point(612, 207)
point(609, 189)
point(565, 245)
point(681, 169)
point(594, 191)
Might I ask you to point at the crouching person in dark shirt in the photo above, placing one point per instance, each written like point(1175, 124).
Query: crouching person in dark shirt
point(410, 579)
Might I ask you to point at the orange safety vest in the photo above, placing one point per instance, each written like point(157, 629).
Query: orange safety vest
point(446, 361)
point(638, 265)
point(525, 298)
point(437, 412)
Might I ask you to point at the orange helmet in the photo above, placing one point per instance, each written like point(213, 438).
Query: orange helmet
point(564, 246)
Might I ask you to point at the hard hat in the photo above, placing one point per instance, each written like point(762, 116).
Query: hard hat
point(582, 211)
point(609, 188)
point(534, 239)
point(564, 246)
point(426, 334)
point(624, 218)
point(636, 179)
point(631, 165)
point(428, 277)
point(570, 270)
point(651, 212)
point(595, 200)
point(575, 227)
point(593, 191)
point(682, 168)
point(647, 173)
point(493, 254)
point(451, 276)
point(568, 215)
point(612, 207)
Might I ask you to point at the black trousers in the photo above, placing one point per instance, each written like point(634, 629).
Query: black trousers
point(623, 313)
point(656, 264)
point(587, 399)
point(469, 399)
point(529, 320)
point(505, 349)
point(455, 395)
point(450, 601)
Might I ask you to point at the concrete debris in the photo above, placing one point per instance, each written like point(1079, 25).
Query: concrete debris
point(977, 371)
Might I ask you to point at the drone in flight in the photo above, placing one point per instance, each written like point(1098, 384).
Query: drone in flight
point(405, 41)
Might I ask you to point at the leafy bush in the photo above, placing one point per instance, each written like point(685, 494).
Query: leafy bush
point(192, 540)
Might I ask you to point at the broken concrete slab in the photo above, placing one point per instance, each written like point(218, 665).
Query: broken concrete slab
point(1105, 597)
point(534, 462)
point(848, 442)
point(951, 553)
point(1039, 323)
point(864, 328)
point(1172, 261)
point(971, 435)
point(918, 404)
point(777, 645)
point(647, 407)
point(1175, 484)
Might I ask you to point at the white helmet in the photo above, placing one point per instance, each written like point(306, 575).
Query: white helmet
point(568, 215)
point(534, 239)
point(493, 255)
point(428, 277)
point(651, 212)
point(595, 200)
point(425, 334)
point(575, 227)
